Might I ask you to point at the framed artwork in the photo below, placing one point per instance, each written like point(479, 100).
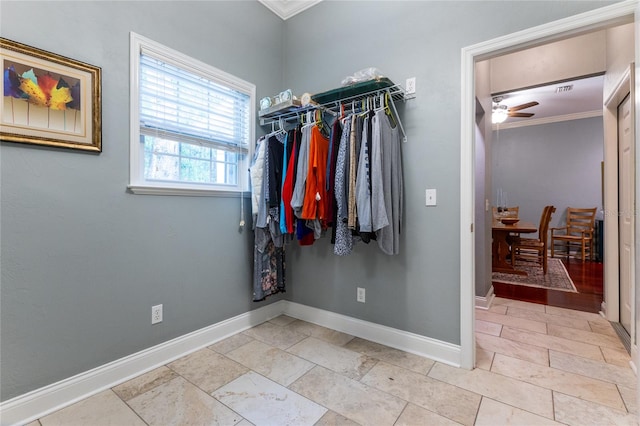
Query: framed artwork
point(49, 99)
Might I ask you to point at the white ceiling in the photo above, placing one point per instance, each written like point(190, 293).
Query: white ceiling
point(285, 9)
point(582, 101)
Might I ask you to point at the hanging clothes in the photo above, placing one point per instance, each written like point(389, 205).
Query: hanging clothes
point(268, 271)
point(343, 238)
point(304, 182)
point(392, 187)
point(316, 191)
point(289, 180)
point(256, 172)
point(379, 218)
point(351, 179)
point(363, 192)
point(268, 260)
point(297, 201)
point(334, 141)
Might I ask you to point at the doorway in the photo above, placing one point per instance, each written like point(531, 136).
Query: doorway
point(601, 18)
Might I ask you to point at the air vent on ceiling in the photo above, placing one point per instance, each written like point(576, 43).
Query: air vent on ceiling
point(562, 89)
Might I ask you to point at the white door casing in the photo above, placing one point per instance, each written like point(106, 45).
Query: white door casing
point(593, 20)
point(626, 176)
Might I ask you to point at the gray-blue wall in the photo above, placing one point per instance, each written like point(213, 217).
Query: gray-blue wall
point(83, 261)
point(419, 290)
point(552, 164)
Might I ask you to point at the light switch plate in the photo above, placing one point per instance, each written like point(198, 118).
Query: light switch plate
point(430, 195)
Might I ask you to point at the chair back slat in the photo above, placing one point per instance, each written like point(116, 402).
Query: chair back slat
point(580, 220)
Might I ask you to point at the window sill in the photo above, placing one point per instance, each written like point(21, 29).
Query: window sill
point(189, 192)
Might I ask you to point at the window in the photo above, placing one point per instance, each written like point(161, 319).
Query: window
point(191, 124)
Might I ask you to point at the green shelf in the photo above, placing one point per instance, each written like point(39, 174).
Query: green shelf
point(352, 91)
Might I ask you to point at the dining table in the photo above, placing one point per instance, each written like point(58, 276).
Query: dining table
point(500, 248)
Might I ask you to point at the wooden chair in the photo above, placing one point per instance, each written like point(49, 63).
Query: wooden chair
point(577, 232)
point(507, 212)
point(534, 248)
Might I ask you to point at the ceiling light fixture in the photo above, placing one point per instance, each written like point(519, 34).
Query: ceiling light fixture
point(499, 114)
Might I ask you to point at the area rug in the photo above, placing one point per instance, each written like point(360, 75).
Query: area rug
point(557, 277)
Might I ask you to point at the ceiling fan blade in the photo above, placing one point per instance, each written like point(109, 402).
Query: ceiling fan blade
point(523, 106)
point(521, 114)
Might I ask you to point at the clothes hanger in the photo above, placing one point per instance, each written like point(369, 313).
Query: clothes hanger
point(393, 105)
point(387, 110)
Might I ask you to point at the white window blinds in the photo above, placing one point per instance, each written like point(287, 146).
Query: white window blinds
point(180, 104)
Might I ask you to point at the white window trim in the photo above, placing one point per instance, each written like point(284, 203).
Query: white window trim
point(137, 182)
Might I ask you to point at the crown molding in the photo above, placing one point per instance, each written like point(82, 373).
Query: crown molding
point(547, 120)
point(285, 9)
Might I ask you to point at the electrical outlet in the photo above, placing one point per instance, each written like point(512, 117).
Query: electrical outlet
point(156, 314)
point(411, 86)
point(360, 295)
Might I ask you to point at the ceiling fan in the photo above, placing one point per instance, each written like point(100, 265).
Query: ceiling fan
point(501, 112)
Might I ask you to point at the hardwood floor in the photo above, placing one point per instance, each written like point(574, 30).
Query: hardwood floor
point(587, 277)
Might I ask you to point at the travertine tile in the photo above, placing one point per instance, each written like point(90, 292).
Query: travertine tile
point(484, 358)
point(616, 356)
point(144, 383)
point(602, 328)
point(524, 324)
point(585, 336)
point(571, 384)
point(596, 369)
point(264, 402)
point(414, 415)
point(578, 412)
point(488, 327)
point(506, 346)
point(180, 402)
point(492, 413)
point(569, 313)
point(207, 369)
point(552, 342)
point(499, 301)
point(579, 324)
point(630, 398)
point(245, 422)
point(231, 343)
point(352, 399)
point(331, 336)
point(275, 335)
point(34, 423)
point(498, 309)
point(276, 364)
point(282, 320)
point(341, 360)
point(442, 398)
point(104, 408)
point(392, 356)
point(334, 419)
point(500, 388)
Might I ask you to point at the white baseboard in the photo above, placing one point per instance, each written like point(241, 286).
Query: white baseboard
point(485, 302)
point(40, 402)
point(409, 342)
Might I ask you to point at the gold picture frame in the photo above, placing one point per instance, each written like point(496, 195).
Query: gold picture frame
point(49, 99)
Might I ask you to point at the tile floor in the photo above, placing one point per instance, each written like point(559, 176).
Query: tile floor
point(537, 365)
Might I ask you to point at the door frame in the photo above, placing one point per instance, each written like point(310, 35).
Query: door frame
point(616, 14)
point(611, 303)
